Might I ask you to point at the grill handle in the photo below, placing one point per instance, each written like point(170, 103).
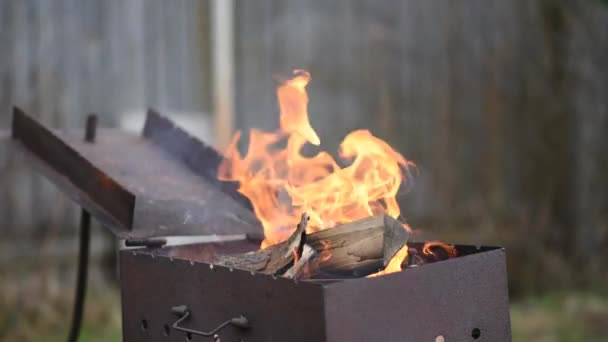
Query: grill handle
point(184, 313)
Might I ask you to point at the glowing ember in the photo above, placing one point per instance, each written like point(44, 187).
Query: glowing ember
point(428, 248)
point(281, 183)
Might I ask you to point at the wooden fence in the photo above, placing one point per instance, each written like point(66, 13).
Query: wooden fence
point(501, 104)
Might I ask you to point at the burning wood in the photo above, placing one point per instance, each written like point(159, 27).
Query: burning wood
point(394, 264)
point(271, 260)
point(357, 248)
point(299, 267)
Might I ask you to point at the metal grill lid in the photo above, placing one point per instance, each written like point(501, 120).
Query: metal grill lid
point(158, 184)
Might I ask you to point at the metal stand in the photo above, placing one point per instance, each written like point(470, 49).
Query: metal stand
point(83, 254)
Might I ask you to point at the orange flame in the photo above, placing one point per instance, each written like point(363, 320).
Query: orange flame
point(395, 264)
point(293, 105)
point(450, 250)
point(325, 254)
point(281, 183)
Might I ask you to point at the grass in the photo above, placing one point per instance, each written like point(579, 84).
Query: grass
point(46, 317)
point(561, 318)
point(89, 334)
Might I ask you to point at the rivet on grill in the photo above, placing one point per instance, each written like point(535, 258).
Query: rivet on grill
point(191, 263)
point(171, 259)
point(274, 277)
point(252, 273)
point(476, 333)
point(144, 324)
point(210, 266)
point(134, 253)
point(231, 269)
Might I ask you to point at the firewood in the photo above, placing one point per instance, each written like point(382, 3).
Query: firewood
point(358, 245)
point(369, 242)
point(299, 267)
point(273, 259)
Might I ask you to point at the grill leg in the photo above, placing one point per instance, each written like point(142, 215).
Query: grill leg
point(81, 280)
point(83, 251)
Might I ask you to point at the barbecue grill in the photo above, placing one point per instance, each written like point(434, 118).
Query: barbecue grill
point(163, 183)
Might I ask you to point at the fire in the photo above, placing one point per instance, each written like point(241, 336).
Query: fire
point(450, 250)
point(281, 183)
point(394, 265)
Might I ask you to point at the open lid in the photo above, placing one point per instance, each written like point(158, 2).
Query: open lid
point(161, 183)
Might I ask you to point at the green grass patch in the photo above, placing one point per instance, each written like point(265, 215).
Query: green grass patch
point(570, 317)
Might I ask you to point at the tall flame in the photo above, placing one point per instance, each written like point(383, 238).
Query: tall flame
point(281, 183)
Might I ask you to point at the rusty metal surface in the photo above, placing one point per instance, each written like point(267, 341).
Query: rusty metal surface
point(105, 197)
point(131, 185)
point(208, 252)
point(448, 298)
point(278, 309)
point(201, 158)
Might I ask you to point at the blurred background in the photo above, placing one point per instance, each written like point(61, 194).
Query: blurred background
point(503, 105)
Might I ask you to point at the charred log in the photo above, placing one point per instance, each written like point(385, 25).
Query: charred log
point(358, 248)
point(300, 266)
point(274, 259)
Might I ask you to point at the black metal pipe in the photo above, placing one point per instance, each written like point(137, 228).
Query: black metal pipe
point(81, 280)
point(83, 251)
point(91, 128)
point(150, 243)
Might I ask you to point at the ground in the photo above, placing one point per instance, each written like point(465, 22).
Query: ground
point(560, 318)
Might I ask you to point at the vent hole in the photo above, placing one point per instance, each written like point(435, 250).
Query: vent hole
point(476, 333)
point(166, 330)
point(144, 325)
point(188, 336)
